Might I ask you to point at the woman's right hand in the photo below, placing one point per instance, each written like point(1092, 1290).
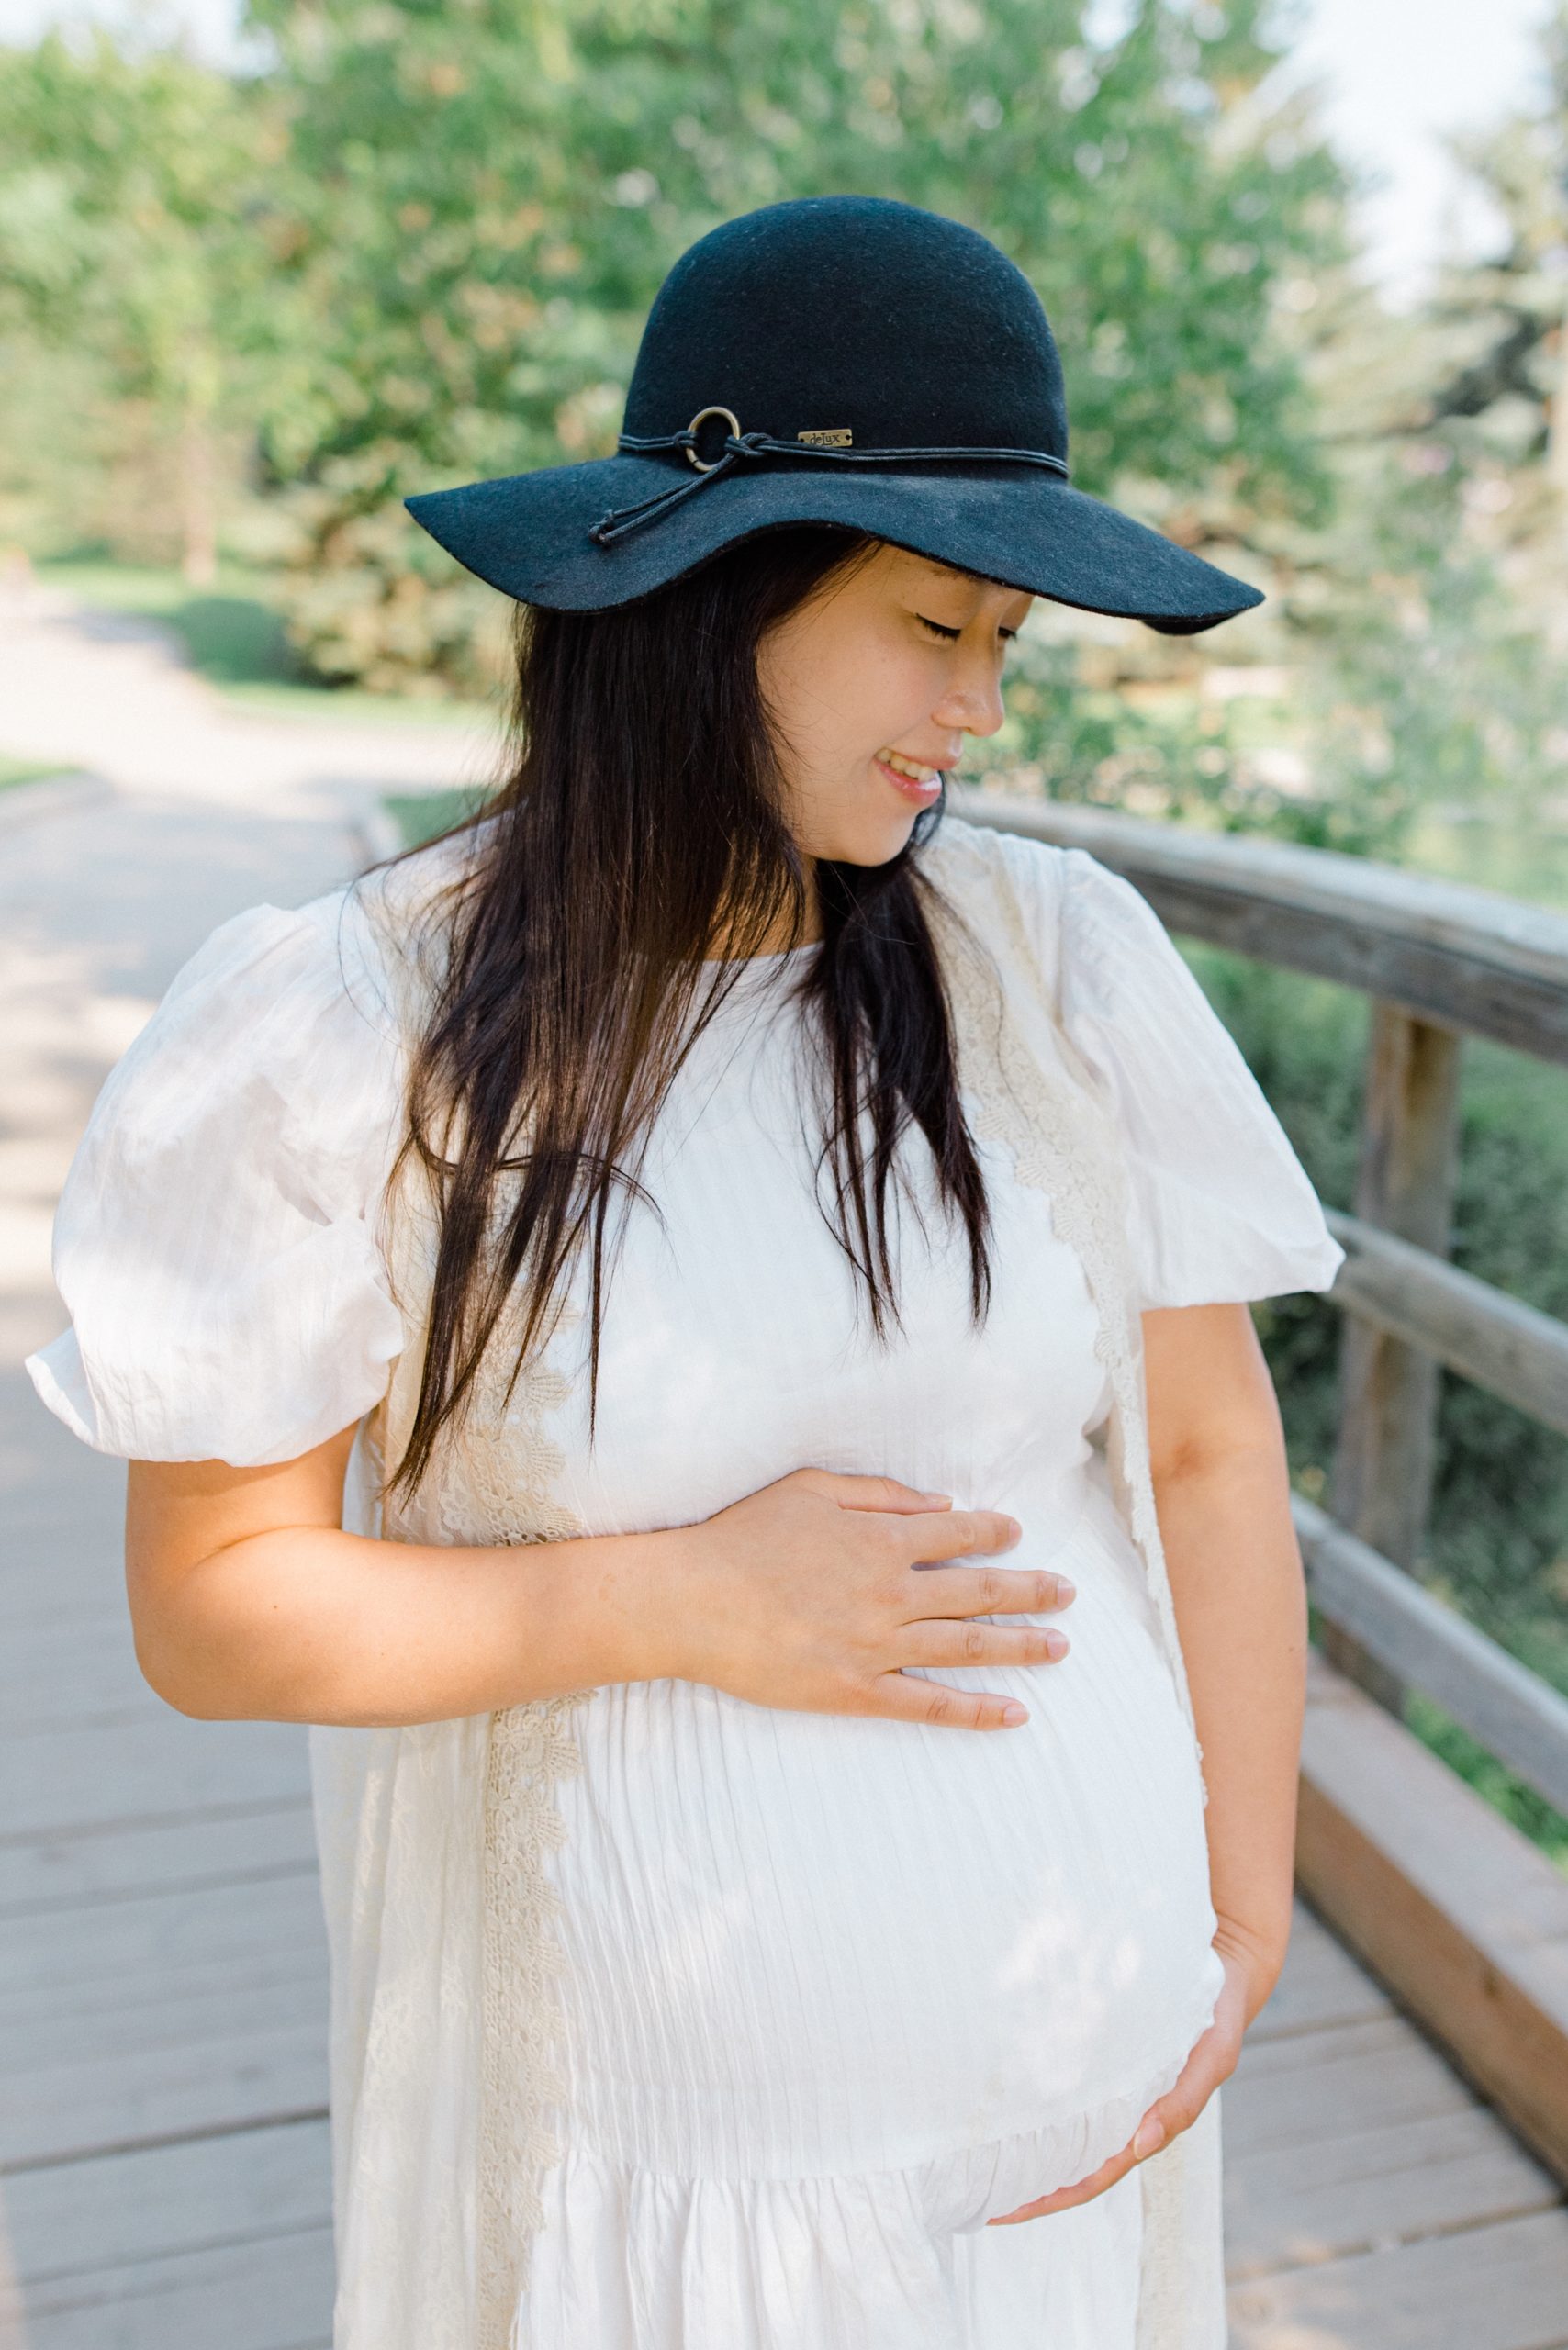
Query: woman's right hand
point(815, 1593)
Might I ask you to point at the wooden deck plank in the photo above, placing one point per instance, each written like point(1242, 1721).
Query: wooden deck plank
point(1497, 2287)
point(197, 2006)
point(1321, 1983)
point(156, 1766)
point(273, 2295)
point(59, 1674)
point(1295, 2203)
point(72, 1958)
point(258, 2075)
point(227, 1844)
point(148, 2019)
point(72, 2220)
point(1315, 2086)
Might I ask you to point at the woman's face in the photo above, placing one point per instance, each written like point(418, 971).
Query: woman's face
point(872, 686)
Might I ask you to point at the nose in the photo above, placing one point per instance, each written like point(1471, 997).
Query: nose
point(971, 701)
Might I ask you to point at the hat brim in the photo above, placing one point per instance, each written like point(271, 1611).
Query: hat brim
point(527, 534)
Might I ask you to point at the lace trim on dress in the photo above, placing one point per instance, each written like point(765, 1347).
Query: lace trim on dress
point(498, 1486)
point(510, 1466)
point(1065, 1144)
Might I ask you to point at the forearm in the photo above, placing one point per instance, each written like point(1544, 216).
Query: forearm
point(1240, 1605)
point(313, 1625)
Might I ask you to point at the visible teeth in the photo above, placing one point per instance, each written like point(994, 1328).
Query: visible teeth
point(908, 766)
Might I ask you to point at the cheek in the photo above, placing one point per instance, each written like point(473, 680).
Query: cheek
point(882, 697)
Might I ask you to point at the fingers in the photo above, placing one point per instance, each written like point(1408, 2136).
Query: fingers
point(980, 1643)
point(1083, 2191)
point(960, 1534)
point(1067, 2198)
point(986, 1591)
point(1165, 2119)
point(905, 1698)
point(884, 1493)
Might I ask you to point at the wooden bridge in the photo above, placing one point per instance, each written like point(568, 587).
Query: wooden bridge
point(1397, 2134)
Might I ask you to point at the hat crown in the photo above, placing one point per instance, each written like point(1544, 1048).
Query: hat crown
point(853, 315)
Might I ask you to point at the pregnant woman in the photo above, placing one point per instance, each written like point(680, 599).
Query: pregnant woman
point(695, 1329)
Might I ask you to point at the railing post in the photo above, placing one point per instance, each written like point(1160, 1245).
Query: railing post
point(1384, 1455)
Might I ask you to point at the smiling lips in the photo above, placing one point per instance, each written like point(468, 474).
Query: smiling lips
point(915, 781)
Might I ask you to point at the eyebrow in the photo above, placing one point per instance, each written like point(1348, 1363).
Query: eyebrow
point(980, 578)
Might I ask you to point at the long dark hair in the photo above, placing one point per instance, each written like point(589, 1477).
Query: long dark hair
point(640, 828)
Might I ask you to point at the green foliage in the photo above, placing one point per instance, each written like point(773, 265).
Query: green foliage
point(131, 202)
point(421, 816)
point(1425, 683)
point(485, 201)
point(19, 771)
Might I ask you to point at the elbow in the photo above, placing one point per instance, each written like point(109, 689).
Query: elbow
point(179, 1664)
point(170, 1676)
point(1253, 1459)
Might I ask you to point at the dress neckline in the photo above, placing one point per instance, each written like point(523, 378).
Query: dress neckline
point(752, 962)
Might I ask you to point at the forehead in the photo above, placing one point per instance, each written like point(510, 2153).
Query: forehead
point(955, 574)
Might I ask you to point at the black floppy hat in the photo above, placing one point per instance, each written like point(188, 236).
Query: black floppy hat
point(842, 360)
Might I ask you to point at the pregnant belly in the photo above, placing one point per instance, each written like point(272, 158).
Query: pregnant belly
point(802, 1943)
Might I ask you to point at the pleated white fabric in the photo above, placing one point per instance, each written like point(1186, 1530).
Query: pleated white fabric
point(834, 1991)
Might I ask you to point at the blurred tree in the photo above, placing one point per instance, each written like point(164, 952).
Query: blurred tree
point(1432, 613)
point(488, 196)
point(1419, 622)
point(1504, 384)
point(132, 194)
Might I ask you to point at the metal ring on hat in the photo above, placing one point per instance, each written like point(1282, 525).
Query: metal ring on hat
point(700, 417)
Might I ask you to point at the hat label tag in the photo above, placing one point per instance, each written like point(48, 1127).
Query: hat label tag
point(837, 437)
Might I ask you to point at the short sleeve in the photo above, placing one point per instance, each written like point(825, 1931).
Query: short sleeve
point(216, 1242)
point(1222, 1209)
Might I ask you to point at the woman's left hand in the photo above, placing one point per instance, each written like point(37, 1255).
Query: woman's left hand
point(1212, 2060)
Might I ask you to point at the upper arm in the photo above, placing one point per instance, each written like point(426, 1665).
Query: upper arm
point(180, 1512)
point(1210, 1394)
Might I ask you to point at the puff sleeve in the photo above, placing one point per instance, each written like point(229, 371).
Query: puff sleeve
point(1222, 1209)
point(216, 1244)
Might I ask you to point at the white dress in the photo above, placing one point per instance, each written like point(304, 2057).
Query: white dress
point(832, 1991)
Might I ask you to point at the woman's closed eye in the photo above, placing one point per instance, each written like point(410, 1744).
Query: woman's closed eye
point(951, 635)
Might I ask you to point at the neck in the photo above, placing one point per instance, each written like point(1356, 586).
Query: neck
point(732, 939)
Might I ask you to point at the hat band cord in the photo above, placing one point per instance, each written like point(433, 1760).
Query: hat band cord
point(621, 520)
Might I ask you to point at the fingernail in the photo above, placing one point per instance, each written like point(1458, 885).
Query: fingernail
point(936, 1497)
point(1150, 2134)
point(1056, 1643)
point(1014, 1531)
point(1014, 1713)
point(1066, 1589)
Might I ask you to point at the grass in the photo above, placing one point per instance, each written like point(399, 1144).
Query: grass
point(15, 771)
point(421, 815)
point(234, 637)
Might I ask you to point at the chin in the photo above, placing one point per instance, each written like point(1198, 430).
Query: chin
point(875, 841)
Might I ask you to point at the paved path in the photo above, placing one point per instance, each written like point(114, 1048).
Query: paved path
point(163, 2151)
point(190, 809)
point(164, 2179)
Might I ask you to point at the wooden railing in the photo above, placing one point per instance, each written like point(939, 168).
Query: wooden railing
point(1439, 961)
